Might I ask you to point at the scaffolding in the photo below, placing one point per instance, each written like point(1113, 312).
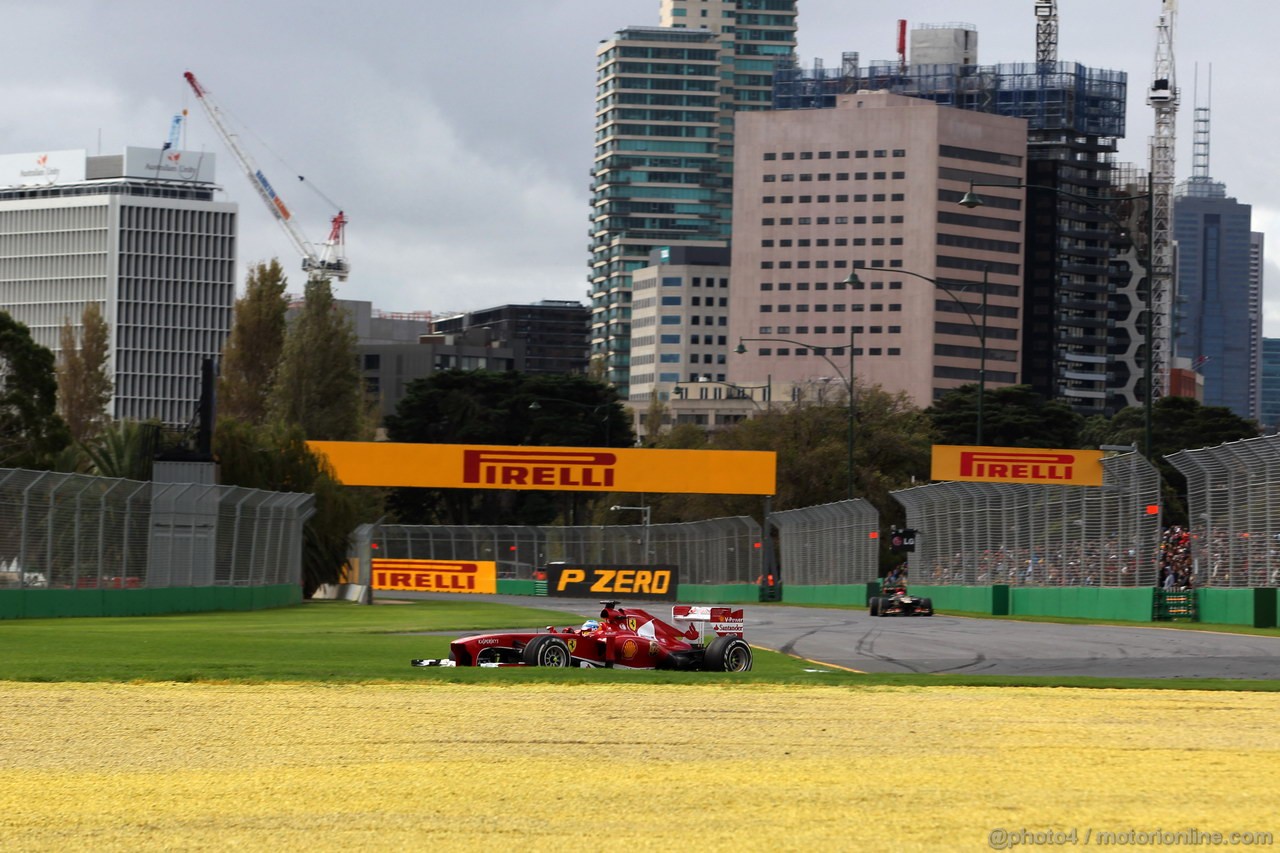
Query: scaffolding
point(1064, 96)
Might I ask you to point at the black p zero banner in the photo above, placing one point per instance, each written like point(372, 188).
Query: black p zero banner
point(570, 581)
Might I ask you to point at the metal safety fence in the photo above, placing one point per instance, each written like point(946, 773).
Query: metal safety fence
point(71, 531)
point(834, 543)
point(1233, 506)
point(714, 551)
point(1039, 535)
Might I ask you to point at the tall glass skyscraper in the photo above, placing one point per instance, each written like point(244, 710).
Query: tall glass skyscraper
point(662, 176)
point(1219, 324)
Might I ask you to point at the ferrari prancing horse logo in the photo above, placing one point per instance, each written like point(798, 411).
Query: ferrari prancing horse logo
point(631, 623)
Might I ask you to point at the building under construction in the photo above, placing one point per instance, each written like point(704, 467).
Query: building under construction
point(1082, 277)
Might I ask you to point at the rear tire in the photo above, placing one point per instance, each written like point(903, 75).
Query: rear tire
point(727, 654)
point(927, 603)
point(547, 651)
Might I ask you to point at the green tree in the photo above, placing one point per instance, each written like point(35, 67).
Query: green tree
point(276, 458)
point(1177, 423)
point(125, 449)
point(892, 441)
point(485, 407)
point(318, 384)
point(32, 434)
point(1012, 416)
point(655, 414)
point(84, 383)
point(252, 352)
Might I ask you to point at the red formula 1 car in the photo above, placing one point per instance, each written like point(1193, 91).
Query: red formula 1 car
point(624, 637)
point(896, 602)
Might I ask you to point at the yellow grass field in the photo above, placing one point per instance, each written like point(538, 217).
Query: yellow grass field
point(621, 768)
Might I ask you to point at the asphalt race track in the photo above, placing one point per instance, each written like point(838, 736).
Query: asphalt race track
point(946, 644)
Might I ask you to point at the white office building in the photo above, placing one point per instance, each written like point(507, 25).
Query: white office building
point(138, 233)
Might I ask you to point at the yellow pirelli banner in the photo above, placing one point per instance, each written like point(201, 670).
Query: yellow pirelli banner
point(582, 469)
point(1017, 465)
point(435, 575)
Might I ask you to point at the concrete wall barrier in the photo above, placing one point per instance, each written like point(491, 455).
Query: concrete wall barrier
point(965, 599)
point(825, 594)
point(55, 603)
point(1255, 607)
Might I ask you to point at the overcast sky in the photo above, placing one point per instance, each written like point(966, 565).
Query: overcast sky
point(457, 136)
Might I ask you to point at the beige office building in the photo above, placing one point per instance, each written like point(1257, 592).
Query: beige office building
point(874, 185)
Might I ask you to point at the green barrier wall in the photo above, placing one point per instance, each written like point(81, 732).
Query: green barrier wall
point(824, 594)
point(515, 587)
point(1256, 607)
point(1125, 604)
point(725, 593)
point(965, 599)
point(53, 603)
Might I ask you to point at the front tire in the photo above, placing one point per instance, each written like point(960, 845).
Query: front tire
point(874, 608)
point(728, 654)
point(547, 651)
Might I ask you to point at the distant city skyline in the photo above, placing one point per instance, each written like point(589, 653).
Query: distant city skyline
point(459, 143)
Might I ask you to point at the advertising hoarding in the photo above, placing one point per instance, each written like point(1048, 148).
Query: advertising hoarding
point(169, 164)
point(42, 169)
point(590, 469)
point(1017, 465)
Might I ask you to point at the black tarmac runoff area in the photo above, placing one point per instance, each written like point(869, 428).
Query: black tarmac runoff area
point(854, 639)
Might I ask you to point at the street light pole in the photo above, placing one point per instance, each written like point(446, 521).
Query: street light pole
point(971, 200)
point(647, 513)
point(982, 344)
point(981, 328)
point(848, 380)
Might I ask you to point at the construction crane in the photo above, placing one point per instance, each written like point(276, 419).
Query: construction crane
point(1046, 34)
point(330, 261)
point(1163, 98)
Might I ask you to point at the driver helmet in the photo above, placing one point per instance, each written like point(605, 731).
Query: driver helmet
point(589, 626)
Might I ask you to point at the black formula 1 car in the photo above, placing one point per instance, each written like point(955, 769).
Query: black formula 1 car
point(703, 638)
point(896, 602)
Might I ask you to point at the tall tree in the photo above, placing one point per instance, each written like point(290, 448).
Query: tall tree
point(276, 457)
point(1012, 416)
point(892, 440)
point(252, 351)
point(1177, 423)
point(318, 384)
point(125, 449)
point(84, 385)
point(655, 414)
point(31, 432)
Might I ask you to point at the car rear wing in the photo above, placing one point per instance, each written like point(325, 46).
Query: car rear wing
point(720, 621)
